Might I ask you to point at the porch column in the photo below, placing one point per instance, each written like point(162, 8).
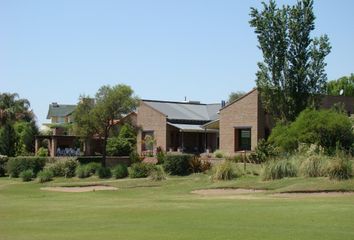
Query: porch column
point(36, 145)
point(205, 140)
point(53, 147)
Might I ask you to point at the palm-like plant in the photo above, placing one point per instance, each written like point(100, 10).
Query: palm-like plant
point(13, 108)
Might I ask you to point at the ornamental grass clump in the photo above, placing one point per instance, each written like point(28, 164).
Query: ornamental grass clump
point(313, 166)
point(120, 171)
point(223, 171)
point(278, 169)
point(339, 169)
point(26, 175)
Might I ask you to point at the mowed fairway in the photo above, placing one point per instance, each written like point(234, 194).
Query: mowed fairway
point(143, 209)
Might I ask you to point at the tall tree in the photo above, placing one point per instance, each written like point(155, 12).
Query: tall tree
point(345, 84)
point(110, 104)
point(12, 111)
point(292, 75)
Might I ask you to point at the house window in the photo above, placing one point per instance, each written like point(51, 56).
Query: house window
point(147, 140)
point(242, 139)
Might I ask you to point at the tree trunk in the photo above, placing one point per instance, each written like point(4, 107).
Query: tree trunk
point(104, 152)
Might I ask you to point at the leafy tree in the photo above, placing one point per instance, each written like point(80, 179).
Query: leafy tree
point(124, 143)
point(292, 75)
point(110, 104)
point(235, 95)
point(8, 140)
point(26, 132)
point(17, 125)
point(344, 83)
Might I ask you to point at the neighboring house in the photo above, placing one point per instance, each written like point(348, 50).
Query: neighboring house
point(62, 141)
point(194, 127)
point(243, 122)
point(177, 126)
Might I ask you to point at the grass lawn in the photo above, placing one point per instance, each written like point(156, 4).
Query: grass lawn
point(143, 209)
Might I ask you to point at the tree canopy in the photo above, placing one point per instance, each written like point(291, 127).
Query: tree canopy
point(235, 95)
point(97, 116)
point(291, 75)
point(345, 83)
point(17, 125)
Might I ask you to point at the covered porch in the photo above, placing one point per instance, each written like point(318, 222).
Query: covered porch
point(191, 138)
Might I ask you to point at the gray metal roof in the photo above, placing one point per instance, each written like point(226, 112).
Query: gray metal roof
point(60, 110)
point(186, 110)
point(191, 128)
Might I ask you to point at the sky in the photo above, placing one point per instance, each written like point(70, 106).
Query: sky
point(55, 51)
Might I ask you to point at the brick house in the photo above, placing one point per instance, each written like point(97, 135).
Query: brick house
point(195, 127)
point(177, 126)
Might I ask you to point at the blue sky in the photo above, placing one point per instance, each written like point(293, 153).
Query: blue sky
point(53, 51)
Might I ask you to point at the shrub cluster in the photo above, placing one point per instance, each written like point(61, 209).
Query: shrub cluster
point(339, 169)
point(218, 154)
point(16, 165)
point(325, 128)
point(178, 164)
point(26, 175)
point(104, 172)
point(45, 176)
point(140, 170)
point(120, 171)
point(65, 168)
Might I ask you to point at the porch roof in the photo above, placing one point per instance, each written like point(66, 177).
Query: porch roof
point(191, 128)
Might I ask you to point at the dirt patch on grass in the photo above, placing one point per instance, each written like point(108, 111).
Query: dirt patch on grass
point(312, 194)
point(225, 191)
point(80, 189)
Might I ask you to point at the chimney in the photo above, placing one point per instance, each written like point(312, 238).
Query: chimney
point(223, 103)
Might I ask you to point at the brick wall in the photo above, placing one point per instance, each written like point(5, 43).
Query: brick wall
point(149, 119)
point(244, 112)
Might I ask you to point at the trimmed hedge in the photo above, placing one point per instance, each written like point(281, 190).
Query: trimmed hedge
point(16, 165)
point(89, 159)
point(178, 164)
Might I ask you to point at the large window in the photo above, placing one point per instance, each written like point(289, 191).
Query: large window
point(245, 139)
point(242, 139)
point(148, 140)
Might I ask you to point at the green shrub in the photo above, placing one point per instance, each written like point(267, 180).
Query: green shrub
point(178, 164)
point(104, 172)
point(134, 157)
point(263, 152)
point(325, 128)
point(218, 154)
point(313, 166)
point(223, 171)
point(82, 171)
point(277, 169)
point(26, 175)
point(140, 170)
point(120, 171)
point(3, 162)
point(160, 156)
point(45, 176)
point(157, 174)
point(65, 168)
point(339, 168)
point(119, 146)
point(92, 167)
point(42, 152)
point(16, 165)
